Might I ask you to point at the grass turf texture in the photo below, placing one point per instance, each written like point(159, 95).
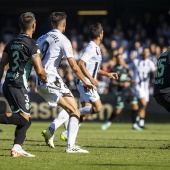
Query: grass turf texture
point(119, 147)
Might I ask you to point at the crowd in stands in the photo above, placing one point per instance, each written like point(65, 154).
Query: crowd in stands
point(126, 36)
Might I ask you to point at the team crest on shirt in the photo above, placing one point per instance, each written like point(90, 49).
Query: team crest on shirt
point(70, 50)
point(12, 107)
point(58, 84)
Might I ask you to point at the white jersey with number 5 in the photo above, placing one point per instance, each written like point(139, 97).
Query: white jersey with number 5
point(54, 46)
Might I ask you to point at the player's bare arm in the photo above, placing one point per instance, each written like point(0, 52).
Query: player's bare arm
point(82, 66)
point(79, 74)
point(36, 60)
point(3, 63)
point(112, 75)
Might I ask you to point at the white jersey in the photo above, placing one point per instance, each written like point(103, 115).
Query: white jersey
point(54, 46)
point(92, 57)
point(141, 71)
point(141, 75)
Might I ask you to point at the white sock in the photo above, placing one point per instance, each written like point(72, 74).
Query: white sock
point(137, 118)
point(141, 122)
point(85, 110)
point(58, 121)
point(16, 147)
point(73, 126)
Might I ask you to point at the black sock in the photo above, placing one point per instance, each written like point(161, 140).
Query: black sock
point(134, 116)
point(112, 117)
point(22, 126)
point(20, 132)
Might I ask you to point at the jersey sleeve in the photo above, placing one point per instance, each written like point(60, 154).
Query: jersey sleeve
point(67, 48)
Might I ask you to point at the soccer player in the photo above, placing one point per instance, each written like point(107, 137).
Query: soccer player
point(54, 46)
point(89, 64)
point(142, 67)
point(21, 54)
point(124, 93)
point(162, 81)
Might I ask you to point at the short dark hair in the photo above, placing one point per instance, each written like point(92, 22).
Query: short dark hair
point(26, 20)
point(57, 17)
point(95, 30)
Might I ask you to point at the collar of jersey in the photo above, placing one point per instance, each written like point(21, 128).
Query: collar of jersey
point(93, 43)
point(55, 30)
point(23, 34)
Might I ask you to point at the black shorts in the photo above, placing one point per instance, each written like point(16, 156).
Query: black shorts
point(17, 98)
point(164, 100)
point(125, 95)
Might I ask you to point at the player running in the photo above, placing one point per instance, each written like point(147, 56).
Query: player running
point(54, 46)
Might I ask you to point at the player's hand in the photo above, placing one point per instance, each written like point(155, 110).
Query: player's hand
point(89, 86)
point(113, 75)
point(126, 84)
point(94, 81)
point(134, 83)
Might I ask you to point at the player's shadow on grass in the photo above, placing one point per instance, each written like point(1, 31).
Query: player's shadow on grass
point(6, 139)
point(33, 140)
point(126, 165)
point(5, 155)
point(38, 144)
point(128, 147)
point(117, 139)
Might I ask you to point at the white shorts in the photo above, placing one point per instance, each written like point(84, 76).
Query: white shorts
point(87, 95)
point(52, 93)
point(142, 92)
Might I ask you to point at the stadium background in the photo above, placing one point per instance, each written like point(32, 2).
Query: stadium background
point(141, 20)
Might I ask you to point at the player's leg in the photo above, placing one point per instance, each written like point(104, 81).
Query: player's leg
point(108, 123)
point(52, 96)
point(142, 112)
point(91, 104)
point(132, 99)
point(70, 105)
point(143, 98)
point(18, 100)
point(134, 115)
point(119, 106)
point(62, 117)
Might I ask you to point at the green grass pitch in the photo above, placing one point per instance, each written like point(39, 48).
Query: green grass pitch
point(117, 148)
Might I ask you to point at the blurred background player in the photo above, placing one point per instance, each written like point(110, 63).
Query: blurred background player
point(142, 67)
point(21, 54)
point(54, 46)
point(124, 93)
